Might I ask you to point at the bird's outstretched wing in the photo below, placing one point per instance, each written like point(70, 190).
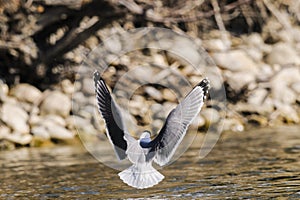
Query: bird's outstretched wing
point(164, 145)
point(112, 116)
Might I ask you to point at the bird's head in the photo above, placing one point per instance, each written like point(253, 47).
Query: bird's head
point(145, 134)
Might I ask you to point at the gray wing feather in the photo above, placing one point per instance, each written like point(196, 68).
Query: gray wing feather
point(176, 125)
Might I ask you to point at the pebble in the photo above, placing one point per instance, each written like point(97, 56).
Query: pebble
point(210, 115)
point(81, 124)
point(88, 86)
point(258, 120)
point(113, 44)
point(184, 50)
point(154, 93)
point(199, 121)
point(156, 125)
point(26, 92)
point(232, 124)
point(56, 102)
point(4, 130)
point(236, 82)
point(3, 89)
point(281, 82)
point(67, 86)
point(263, 109)
point(283, 54)
point(235, 60)
point(296, 87)
point(169, 95)
point(40, 132)
point(215, 45)
point(257, 97)
point(15, 117)
point(289, 113)
point(54, 118)
point(18, 138)
point(57, 132)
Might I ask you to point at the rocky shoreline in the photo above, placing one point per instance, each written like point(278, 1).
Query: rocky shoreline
point(262, 83)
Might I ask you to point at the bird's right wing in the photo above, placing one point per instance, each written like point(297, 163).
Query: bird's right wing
point(176, 125)
point(112, 116)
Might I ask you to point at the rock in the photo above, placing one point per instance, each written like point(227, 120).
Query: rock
point(258, 120)
point(57, 132)
point(236, 82)
point(199, 121)
point(138, 106)
point(296, 87)
point(26, 92)
point(34, 120)
point(289, 114)
point(255, 54)
point(154, 93)
point(167, 107)
point(184, 50)
point(265, 72)
point(113, 44)
point(232, 124)
point(78, 102)
point(80, 124)
point(156, 111)
point(19, 138)
point(54, 118)
point(281, 82)
point(88, 86)
point(263, 109)
point(283, 54)
point(210, 115)
point(67, 86)
point(169, 95)
point(4, 130)
point(15, 117)
point(56, 103)
point(92, 42)
point(7, 145)
point(160, 60)
point(255, 40)
point(40, 132)
point(235, 60)
point(257, 96)
point(156, 125)
point(3, 91)
point(215, 45)
point(25, 106)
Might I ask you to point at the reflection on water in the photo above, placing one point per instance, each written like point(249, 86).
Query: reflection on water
point(260, 163)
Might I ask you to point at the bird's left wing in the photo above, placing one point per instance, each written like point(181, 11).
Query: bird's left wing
point(112, 116)
point(164, 145)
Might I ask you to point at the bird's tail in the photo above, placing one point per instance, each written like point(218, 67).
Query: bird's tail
point(141, 176)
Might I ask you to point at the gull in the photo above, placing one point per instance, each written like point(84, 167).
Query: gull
point(142, 152)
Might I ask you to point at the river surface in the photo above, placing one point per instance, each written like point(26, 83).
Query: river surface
point(263, 163)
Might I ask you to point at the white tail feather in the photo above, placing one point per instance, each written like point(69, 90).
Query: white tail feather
point(141, 177)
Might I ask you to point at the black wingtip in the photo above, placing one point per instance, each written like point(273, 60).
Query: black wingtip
point(97, 76)
point(205, 85)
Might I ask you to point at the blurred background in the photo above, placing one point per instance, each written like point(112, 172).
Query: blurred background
point(255, 45)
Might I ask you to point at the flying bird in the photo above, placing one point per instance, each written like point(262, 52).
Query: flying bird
point(142, 152)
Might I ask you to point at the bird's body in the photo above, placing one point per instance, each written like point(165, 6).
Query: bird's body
point(141, 174)
point(144, 151)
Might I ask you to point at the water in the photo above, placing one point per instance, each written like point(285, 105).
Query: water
point(261, 164)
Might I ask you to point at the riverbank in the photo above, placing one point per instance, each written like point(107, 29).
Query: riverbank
point(261, 81)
